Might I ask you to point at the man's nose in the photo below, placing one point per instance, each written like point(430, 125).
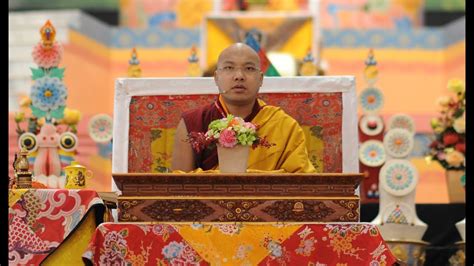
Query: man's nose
point(238, 74)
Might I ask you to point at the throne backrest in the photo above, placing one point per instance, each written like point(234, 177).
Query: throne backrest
point(147, 111)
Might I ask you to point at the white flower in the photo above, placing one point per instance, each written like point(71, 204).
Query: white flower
point(443, 101)
point(455, 158)
point(460, 125)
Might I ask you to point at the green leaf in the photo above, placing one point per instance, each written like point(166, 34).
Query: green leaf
point(37, 73)
point(38, 112)
point(58, 113)
point(458, 113)
point(56, 73)
point(124, 232)
point(316, 131)
point(155, 134)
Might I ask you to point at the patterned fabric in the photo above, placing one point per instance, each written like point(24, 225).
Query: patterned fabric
point(41, 219)
point(238, 244)
point(153, 121)
point(426, 39)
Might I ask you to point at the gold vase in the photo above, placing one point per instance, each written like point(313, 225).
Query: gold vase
point(411, 252)
point(456, 191)
point(233, 160)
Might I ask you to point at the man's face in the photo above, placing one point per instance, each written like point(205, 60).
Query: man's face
point(238, 75)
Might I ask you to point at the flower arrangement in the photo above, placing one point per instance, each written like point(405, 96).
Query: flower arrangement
point(449, 146)
point(228, 132)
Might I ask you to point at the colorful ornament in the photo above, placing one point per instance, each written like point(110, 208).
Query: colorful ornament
point(134, 69)
point(372, 153)
point(398, 142)
point(398, 177)
point(402, 121)
point(308, 67)
point(371, 72)
point(397, 216)
point(193, 69)
point(48, 98)
point(100, 128)
point(47, 53)
point(371, 125)
point(371, 100)
point(48, 34)
point(49, 152)
point(47, 57)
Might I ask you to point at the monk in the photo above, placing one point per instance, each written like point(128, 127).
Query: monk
point(238, 77)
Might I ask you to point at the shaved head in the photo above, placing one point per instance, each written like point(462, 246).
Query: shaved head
point(238, 49)
point(238, 75)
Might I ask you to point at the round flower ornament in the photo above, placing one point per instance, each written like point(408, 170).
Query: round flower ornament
point(372, 153)
point(398, 142)
point(48, 98)
point(371, 100)
point(100, 128)
point(47, 57)
point(398, 177)
point(402, 121)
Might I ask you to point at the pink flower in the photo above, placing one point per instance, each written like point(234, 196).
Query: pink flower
point(227, 138)
point(250, 125)
point(441, 156)
point(47, 57)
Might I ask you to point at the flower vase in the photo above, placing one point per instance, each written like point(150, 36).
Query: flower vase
point(233, 160)
point(456, 191)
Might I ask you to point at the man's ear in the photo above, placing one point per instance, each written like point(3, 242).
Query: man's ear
point(215, 76)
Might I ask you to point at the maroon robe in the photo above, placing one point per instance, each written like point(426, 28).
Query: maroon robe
point(198, 120)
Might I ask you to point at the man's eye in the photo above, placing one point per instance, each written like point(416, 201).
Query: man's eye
point(228, 68)
point(251, 69)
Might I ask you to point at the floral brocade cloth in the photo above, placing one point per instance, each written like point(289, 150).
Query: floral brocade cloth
point(153, 121)
point(238, 244)
point(41, 219)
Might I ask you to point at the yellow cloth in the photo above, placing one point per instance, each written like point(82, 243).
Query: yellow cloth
point(70, 251)
point(234, 243)
point(216, 171)
point(14, 195)
point(289, 153)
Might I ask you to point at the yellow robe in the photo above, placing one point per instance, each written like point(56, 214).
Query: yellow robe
point(289, 153)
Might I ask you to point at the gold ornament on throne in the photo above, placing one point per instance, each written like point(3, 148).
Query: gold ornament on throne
point(48, 34)
point(193, 69)
point(308, 67)
point(134, 69)
point(21, 168)
point(371, 72)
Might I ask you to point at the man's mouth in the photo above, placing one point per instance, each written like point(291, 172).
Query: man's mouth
point(239, 87)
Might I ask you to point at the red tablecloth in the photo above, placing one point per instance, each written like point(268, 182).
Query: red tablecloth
point(238, 244)
point(41, 219)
